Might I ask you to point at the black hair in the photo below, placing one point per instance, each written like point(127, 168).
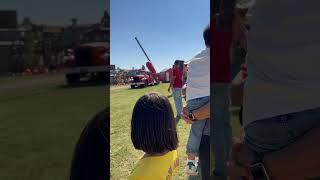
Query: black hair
point(90, 157)
point(206, 36)
point(153, 127)
point(179, 64)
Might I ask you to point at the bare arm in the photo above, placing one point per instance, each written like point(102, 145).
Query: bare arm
point(200, 114)
point(301, 160)
point(203, 112)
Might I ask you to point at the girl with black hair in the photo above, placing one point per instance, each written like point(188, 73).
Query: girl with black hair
point(91, 154)
point(153, 130)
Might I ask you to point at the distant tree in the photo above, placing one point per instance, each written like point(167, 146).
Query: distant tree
point(29, 45)
point(143, 67)
point(105, 19)
point(74, 21)
point(121, 78)
point(26, 23)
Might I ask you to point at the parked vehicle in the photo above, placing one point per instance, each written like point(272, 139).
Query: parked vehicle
point(89, 59)
point(143, 79)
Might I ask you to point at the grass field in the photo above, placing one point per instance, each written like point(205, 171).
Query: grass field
point(123, 155)
point(40, 124)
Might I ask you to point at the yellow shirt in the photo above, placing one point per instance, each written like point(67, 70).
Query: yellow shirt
point(162, 167)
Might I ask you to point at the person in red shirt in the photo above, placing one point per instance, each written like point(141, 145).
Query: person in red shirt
point(227, 29)
point(176, 83)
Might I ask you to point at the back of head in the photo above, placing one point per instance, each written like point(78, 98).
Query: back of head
point(206, 36)
point(90, 158)
point(179, 64)
point(176, 63)
point(153, 127)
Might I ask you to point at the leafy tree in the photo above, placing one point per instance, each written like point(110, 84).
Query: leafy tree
point(105, 20)
point(121, 78)
point(74, 22)
point(29, 45)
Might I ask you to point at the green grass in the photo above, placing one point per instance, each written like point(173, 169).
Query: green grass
point(40, 126)
point(123, 155)
point(9, 79)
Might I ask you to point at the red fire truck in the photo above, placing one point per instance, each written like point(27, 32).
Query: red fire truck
point(145, 78)
point(89, 59)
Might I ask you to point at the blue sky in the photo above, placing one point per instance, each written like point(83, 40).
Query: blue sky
point(57, 12)
point(167, 29)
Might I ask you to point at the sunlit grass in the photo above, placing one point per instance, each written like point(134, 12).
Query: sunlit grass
point(123, 155)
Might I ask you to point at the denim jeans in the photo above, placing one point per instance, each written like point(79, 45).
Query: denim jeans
point(204, 160)
point(221, 132)
point(177, 96)
point(272, 134)
point(197, 127)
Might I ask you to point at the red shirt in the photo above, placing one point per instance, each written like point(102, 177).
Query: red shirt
point(178, 80)
point(220, 66)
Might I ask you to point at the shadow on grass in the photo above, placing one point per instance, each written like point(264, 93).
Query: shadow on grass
point(21, 96)
point(135, 88)
point(86, 83)
point(141, 87)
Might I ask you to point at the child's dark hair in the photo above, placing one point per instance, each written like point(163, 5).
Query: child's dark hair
point(153, 127)
point(90, 158)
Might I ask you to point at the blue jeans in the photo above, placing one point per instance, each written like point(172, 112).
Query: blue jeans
point(198, 127)
point(177, 96)
point(273, 134)
point(221, 132)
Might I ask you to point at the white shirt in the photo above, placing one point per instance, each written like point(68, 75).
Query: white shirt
point(198, 80)
point(284, 59)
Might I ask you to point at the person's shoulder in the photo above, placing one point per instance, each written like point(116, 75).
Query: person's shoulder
point(173, 153)
point(203, 55)
point(140, 170)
